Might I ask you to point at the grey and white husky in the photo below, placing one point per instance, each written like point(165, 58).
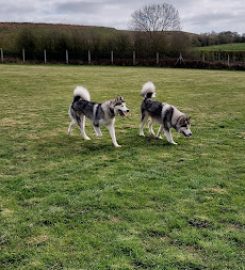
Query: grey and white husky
point(99, 113)
point(164, 114)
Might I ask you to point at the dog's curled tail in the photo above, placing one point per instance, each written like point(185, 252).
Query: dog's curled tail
point(148, 90)
point(81, 92)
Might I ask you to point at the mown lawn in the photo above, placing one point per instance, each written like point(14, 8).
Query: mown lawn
point(66, 203)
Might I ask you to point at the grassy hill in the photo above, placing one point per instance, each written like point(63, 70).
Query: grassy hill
point(224, 47)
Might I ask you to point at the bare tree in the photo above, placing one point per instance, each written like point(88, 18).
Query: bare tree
point(156, 17)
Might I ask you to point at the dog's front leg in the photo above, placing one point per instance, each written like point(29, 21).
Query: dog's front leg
point(111, 129)
point(169, 136)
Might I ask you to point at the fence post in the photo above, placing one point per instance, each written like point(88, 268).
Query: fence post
point(1, 54)
point(89, 57)
point(228, 60)
point(45, 57)
point(112, 57)
point(203, 57)
point(67, 57)
point(157, 58)
point(134, 58)
point(23, 55)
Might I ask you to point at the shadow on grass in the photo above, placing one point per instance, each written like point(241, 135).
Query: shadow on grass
point(63, 143)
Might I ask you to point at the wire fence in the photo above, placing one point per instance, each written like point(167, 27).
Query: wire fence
point(219, 60)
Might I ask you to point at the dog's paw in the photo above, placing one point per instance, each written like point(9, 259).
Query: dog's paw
point(87, 138)
point(117, 145)
point(174, 143)
point(142, 134)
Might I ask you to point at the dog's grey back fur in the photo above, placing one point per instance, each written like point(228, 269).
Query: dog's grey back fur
point(98, 113)
point(166, 115)
point(162, 113)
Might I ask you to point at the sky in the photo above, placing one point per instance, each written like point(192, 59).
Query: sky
point(197, 16)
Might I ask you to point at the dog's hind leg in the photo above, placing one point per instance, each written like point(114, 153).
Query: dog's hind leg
point(159, 133)
point(97, 131)
point(111, 129)
point(150, 126)
point(82, 128)
point(72, 123)
point(144, 118)
point(169, 136)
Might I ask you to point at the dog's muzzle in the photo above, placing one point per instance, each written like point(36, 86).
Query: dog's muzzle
point(185, 131)
point(123, 113)
point(187, 134)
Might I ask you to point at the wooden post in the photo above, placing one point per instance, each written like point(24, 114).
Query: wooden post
point(67, 57)
point(1, 54)
point(134, 58)
point(157, 58)
point(89, 57)
point(112, 57)
point(23, 55)
point(203, 57)
point(228, 60)
point(45, 57)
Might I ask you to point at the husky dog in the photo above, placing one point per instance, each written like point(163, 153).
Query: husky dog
point(99, 113)
point(166, 115)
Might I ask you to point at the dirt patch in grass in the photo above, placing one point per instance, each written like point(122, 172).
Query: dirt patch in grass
point(8, 122)
point(37, 240)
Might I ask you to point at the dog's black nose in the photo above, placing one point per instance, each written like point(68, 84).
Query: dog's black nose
point(127, 110)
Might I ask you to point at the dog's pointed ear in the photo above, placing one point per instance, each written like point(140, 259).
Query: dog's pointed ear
point(119, 99)
point(188, 118)
point(181, 120)
point(112, 103)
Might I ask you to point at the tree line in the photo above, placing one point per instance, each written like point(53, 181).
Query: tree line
point(213, 38)
point(99, 43)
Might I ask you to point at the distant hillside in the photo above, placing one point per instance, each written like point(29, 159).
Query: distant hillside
point(9, 32)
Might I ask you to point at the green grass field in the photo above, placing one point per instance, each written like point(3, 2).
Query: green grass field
point(71, 204)
point(224, 47)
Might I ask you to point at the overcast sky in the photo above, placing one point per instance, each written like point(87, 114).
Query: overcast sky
point(197, 16)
